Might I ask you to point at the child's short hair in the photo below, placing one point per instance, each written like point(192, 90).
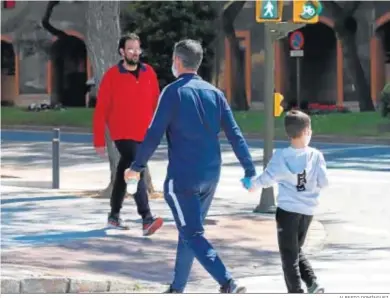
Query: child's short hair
point(295, 122)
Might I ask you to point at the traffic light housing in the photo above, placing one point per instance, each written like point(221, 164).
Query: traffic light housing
point(278, 108)
point(306, 11)
point(269, 11)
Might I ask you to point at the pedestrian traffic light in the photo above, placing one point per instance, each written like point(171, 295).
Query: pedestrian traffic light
point(269, 10)
point(307, 12)
point(278, 109)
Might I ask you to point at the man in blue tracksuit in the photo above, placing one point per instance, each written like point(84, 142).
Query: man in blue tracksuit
point(192, 113)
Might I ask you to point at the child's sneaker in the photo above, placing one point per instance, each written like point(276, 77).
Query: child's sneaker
point(115, 221)
point(232, 288)
point(315, 288)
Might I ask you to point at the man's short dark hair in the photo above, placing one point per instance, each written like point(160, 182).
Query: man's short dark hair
point(125, 38)
point(295, 122)
point(190, 53)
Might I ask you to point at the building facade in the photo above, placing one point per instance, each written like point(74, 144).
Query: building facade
point(29, 72)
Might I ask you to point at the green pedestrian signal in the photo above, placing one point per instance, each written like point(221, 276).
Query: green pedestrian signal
point(269, 10)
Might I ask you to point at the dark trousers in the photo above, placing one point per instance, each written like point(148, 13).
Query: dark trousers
point(127, 150)
point(292, 231)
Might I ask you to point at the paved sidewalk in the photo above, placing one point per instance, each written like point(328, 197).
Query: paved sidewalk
point(64, 242)
point(49, 234)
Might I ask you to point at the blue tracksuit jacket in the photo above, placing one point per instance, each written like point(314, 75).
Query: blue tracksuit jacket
point(192, 112)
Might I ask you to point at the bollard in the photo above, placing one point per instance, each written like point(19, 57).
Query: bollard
point(56, 158)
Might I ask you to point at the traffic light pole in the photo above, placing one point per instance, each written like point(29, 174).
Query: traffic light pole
point(272, 32)
point(267, 200)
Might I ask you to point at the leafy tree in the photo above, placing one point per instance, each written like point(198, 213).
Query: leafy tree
point(162, 23)
point(102, 37)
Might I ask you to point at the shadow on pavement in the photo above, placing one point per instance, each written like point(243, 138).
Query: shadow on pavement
point(126, 254)
point(52, 238)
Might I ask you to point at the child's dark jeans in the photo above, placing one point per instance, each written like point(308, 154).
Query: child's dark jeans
point(292, 231)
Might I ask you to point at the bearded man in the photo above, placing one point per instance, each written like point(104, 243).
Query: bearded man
point(126, 102)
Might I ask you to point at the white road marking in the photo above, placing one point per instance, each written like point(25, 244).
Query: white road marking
point(365, 230)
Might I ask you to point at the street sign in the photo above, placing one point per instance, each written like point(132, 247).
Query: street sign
point(269, 10)
point(296, 40)
point(296, 53)
point(307, 12)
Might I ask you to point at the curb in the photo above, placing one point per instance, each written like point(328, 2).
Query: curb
point(63, 285)
point(250, 136)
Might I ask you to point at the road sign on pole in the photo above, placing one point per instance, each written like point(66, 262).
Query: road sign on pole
point(297, 41)
point(269, 10)
point(296, 53)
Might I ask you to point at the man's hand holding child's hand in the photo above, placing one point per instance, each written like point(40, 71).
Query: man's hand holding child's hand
point(248, 184)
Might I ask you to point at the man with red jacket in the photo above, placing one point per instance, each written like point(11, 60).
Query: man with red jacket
point(126, 101)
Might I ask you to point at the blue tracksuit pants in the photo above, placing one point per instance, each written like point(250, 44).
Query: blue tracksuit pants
point(189, 209)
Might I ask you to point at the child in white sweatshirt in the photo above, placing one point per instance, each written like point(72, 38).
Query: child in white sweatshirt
point(300, 172)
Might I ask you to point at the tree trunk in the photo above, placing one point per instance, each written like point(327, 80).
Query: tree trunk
point(362, 87)
point(346, 28)
point(103, 33)
point(230, 12)
point(57, 61)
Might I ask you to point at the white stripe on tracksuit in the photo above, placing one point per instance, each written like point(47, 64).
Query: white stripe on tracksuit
point(176, 202)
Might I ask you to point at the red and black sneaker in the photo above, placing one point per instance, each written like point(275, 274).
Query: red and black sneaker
point(114, 221)
point(150, 226)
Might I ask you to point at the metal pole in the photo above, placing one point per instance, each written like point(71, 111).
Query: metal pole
point(298, 82)
point(56, 158)
point(267, 200)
